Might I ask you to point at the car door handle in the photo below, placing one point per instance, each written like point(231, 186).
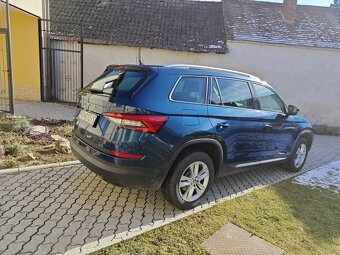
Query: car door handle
point(269, 126)
point(223, 125)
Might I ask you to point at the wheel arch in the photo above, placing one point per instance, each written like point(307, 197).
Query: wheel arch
point(308, 135)
point(208, 145)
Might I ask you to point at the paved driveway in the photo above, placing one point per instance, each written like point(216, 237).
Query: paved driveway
point(44, 110)
point(70, 209)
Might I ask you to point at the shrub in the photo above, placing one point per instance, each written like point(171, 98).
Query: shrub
point(13, 149)
point(10, 163)
point(21, 125)
point(67, 130)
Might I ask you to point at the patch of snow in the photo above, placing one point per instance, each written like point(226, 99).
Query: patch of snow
point(327, 177)
point(206, 0)
point(286, 40)
point(212, 46)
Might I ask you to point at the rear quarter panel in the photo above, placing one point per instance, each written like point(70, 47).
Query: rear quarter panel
point(186, 121)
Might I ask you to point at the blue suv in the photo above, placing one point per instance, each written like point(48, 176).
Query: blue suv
point(178, 127)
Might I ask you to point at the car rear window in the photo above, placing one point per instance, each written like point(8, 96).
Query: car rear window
point(190, 89)
point(118, 83)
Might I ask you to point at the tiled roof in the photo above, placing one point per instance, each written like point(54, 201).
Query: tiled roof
point(262, 22)
point(181, 25)
point(197, 26)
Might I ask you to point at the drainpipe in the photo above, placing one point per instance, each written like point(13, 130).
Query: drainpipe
point(9, 60)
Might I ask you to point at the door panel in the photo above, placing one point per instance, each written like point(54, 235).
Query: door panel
point(233, 119)
point(279, 131)
point(279, 135)
point(241, 131)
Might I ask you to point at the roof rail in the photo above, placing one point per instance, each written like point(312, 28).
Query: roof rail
point(208, 68)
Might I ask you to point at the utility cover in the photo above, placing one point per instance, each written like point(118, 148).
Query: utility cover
point(234, 240)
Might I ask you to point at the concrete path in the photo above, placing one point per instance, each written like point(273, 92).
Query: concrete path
point(71, 210)
point(233, 240)
point(44, 109)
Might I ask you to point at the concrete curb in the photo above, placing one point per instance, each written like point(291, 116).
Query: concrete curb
point(30, 168)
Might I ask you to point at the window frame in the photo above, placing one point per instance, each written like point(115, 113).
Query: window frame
point(258, 104)
point(190, 76)
point(234, 79)
point(211, 89)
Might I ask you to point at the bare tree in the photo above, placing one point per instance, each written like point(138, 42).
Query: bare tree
point(336, 3)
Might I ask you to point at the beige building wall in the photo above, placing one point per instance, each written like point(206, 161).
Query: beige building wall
point(306, 77)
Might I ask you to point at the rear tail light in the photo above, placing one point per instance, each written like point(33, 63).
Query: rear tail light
point(143, 123)
point(126, 155)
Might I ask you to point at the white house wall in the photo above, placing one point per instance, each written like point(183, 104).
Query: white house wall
point(35, 7)
point(306, 77)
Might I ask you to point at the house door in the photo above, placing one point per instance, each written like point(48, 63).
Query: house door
point(61, 61)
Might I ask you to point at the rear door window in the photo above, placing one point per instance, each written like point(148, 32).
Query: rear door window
point(236, 93)
point(190, 89)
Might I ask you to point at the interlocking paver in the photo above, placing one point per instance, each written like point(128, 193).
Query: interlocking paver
point(55, 210)
point(27, 234)
point(13, 248)
point(52, 208)
point(16, 219)
point(11, 212)
point(47, 227)
point(32, 245)
point(71, 230)
point(58, 214)
point(60, 246)
point(54, 235)
point(65, 221)
point(79, 238)
point(24, 223)
point(44, 249)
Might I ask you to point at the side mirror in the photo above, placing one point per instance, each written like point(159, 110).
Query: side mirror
point(292, 110)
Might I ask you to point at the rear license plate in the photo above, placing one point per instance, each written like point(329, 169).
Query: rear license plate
point(87, 117)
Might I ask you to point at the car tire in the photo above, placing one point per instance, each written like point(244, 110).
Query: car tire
point(189, 180)
point(298, 157)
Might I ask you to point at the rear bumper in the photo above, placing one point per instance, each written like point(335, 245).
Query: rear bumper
point(130, 173)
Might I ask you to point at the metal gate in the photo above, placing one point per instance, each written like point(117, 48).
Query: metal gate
point(61, 52)
point(6, 80)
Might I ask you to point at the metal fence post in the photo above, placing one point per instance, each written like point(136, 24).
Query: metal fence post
point(81, 57)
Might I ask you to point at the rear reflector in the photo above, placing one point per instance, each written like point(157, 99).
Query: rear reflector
point(143, 123)
point(126, 155)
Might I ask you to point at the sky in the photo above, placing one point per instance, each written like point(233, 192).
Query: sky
point(306, 2)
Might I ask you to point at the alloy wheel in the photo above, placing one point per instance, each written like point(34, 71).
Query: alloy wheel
point(194, 181)
point(300, 155)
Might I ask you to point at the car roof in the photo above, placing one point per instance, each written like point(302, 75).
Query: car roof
point(185, 69)
point(213, 71)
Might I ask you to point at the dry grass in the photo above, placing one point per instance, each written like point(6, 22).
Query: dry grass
point(296, 218)
point(18, 144)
